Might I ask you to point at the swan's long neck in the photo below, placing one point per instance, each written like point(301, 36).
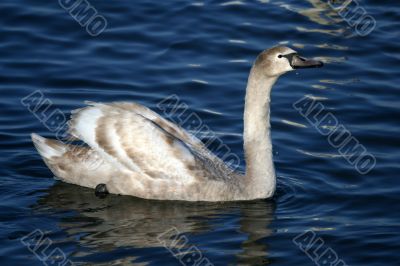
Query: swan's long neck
point(260, 173)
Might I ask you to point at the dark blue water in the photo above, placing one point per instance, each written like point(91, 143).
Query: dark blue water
point(202, 51)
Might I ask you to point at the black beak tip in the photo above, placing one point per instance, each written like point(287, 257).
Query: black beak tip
point(297, 62)
point(309, 64)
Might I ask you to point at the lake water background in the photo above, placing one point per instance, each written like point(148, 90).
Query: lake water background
point(202, 52)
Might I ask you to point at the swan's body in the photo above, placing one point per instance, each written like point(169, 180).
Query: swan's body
point(134, 151)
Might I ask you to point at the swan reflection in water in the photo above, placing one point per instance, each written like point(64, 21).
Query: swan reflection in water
point(105, 225)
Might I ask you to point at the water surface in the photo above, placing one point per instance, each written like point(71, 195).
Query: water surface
point(202, 51)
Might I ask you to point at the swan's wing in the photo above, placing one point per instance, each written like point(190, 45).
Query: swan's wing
point(134, 138)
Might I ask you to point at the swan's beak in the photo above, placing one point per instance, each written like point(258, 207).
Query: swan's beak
point(297, 61)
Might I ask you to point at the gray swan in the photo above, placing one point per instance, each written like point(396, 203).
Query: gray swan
point(134, 151)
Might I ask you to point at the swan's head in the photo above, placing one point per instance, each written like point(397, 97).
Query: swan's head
point(279, 60)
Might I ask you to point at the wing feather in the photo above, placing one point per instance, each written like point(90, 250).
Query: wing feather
point(137, 139)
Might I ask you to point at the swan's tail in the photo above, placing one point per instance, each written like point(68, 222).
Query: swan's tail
point(52, 153)
point(48, 149)
point(78, 165)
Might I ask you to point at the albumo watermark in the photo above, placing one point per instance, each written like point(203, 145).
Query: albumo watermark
point(55, 121)
point(337, 134)
point(178, 112)
point(178, 245)
point(355, 15)
point(86, 15)
point(316, 250)
point(44, 249)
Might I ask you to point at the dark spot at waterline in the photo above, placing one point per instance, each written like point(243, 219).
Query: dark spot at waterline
point(101, 191)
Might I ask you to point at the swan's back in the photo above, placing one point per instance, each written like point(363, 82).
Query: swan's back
point(154, 158)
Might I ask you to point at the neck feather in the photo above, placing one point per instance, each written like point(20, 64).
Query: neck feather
point(260, 173)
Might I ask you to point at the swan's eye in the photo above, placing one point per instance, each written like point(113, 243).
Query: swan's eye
point(280, 56)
